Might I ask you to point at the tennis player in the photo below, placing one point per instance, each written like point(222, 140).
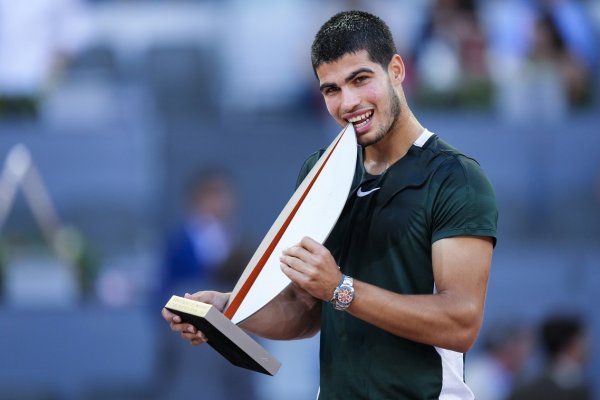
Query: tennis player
point(398, 289)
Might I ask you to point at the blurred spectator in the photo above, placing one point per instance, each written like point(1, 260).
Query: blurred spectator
point(564, 30)
point(576, 29)
point(492, 374)
point(566, 344)
point(450, 59)
point(36, 39)
point(206, 249)
point(542, 55)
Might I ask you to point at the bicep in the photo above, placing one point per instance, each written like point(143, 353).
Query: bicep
point(461, 267)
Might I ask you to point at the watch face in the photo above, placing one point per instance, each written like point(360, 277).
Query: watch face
point(345, 295)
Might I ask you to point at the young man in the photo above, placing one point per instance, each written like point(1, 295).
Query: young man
point(413, 244)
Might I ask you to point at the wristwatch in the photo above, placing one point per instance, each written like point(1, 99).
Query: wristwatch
point(343, 294)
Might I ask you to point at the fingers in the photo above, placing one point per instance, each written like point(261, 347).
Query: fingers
point(183, 327)
point(307, 258)
point(294, 275)
point(307, 255)
point(194, 338)
point(311, 266)
point(318, 251)
point(217, 299)
point(170, 317)
point(189, 332)
point(298, 252)
point(299, 258)
point(311, 245)
point(294, 263)
point(203, 296)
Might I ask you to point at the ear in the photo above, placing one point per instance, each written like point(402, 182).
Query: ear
point(396, 69)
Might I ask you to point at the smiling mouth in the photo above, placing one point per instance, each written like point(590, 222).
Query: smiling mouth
point(361, 120)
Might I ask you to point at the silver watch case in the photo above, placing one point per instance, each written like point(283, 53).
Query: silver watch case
point(343, 294)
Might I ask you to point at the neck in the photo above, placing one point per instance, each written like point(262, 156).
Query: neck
point(379, 156)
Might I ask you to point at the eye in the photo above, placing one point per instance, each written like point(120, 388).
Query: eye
point(360, 79)
point(330, 90)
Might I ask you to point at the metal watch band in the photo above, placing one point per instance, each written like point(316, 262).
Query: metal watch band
point(343, 294)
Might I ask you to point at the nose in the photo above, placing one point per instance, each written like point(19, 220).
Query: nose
point(350, 100)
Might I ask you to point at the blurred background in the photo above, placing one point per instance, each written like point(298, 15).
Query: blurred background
point(147, 146)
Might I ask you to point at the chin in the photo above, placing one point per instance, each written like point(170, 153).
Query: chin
point(369, 138)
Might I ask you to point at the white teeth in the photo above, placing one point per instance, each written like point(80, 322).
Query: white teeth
point(360, 117)
point(361, 124)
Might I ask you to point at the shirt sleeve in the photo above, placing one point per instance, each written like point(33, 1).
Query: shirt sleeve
point(464, 202)
point(308, 164)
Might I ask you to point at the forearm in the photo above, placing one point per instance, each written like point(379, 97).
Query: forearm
point(293, 314)
point(443, 319)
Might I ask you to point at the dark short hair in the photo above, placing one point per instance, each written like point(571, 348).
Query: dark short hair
point(350, 32)
point(204, 179)
point(558, 333)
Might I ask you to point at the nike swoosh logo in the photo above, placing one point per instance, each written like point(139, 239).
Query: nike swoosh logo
point(360, 192)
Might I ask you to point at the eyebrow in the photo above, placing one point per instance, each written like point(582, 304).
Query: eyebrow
point(348, 78)
point(358, 71)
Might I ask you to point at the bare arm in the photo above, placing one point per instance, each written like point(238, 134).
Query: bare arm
point(293, 314)
point(450, 318)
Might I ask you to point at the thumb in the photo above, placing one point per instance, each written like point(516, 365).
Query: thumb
point(203, 296)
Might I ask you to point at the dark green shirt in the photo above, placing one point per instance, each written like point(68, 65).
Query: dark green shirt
point(384, 237)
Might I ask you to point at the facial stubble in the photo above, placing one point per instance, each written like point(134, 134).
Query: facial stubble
point(395, 110)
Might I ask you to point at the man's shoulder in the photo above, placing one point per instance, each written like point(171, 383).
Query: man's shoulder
point(437, 147)
point(313, 157)
point(308, 164)
point(451, 159)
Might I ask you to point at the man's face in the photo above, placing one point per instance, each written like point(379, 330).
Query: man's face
point(359, 90)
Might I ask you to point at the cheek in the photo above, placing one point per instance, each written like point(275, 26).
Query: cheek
point(372, 94)
point(332, 107)
point(376, 92)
